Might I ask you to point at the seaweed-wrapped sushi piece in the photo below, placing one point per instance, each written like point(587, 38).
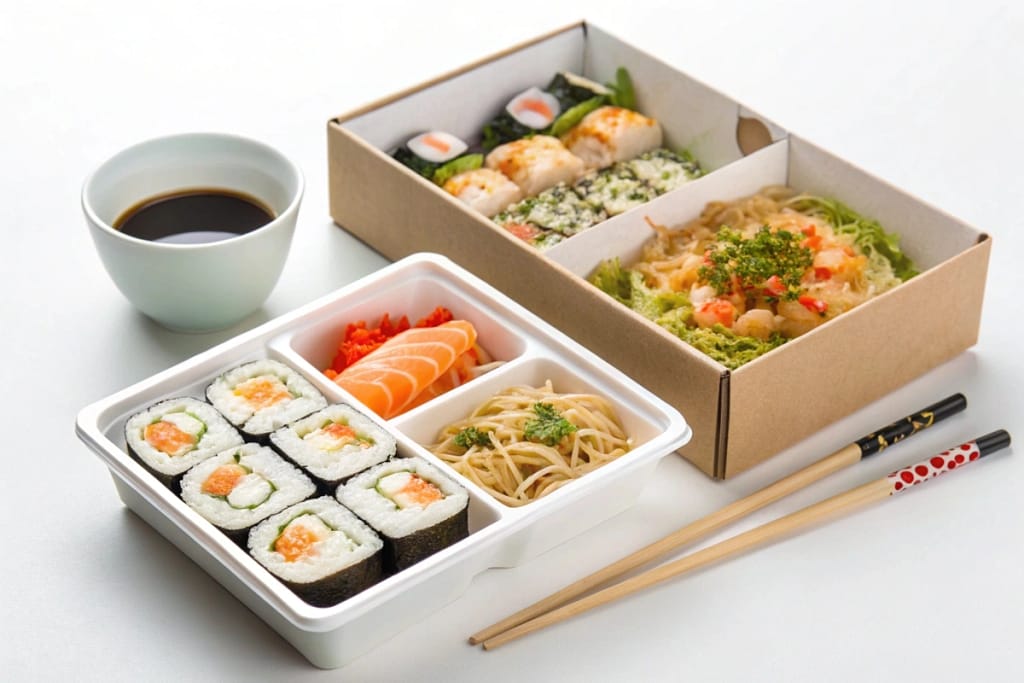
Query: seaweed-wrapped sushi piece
point(320, 550)
point(412, 505)
point(333, 444)
point(241, 486)
point(175, 434)
point(263, 395)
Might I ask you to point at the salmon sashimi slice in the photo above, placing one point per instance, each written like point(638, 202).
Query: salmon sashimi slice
point(388, 380)
point(460, 372)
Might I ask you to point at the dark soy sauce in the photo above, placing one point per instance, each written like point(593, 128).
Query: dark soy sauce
point(194, 216)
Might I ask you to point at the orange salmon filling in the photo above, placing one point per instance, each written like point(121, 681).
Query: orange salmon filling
point(340, 432)
point(537, 106)
point(436, 143)
point(421, 492)
point(223, 480)
point(262, 392)
point(168, 438)
point(296, 542)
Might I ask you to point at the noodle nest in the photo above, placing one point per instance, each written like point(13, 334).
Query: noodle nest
point(516, 470)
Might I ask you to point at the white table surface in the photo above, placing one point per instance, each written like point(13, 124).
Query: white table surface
point(923, 587)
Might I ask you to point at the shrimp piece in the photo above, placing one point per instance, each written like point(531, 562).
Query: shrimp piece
point(797, 319)
point(757, 322)
point(715, 311)
point(838, 263)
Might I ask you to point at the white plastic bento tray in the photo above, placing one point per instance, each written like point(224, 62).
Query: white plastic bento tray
point(500, 536)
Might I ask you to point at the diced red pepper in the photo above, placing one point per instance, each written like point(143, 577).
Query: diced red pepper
point(809, 230)
point(812, 304)
point(822, 274)
point(774, 286)
point(812, 242)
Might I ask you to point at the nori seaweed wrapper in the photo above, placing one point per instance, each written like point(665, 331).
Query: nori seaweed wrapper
point(341, 585)
point(401, 553)
point(405, 156)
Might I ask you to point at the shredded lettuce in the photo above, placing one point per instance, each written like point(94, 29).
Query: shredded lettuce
point(868, 234)
point(627, 287)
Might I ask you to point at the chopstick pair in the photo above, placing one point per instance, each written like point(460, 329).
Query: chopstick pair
point(548, 611)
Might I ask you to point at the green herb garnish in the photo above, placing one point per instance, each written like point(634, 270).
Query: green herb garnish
point(549, 427)
point(471, 436)
point(750, 262)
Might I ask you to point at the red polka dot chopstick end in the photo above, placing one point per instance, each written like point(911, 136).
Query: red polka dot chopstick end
point(948, 460)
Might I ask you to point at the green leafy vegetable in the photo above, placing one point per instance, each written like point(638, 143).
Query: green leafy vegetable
point(572, 116)
point(549, 427)
point(628, 287)
point(449, 170)
point(404, 156)
point(623, 94)
point(735, 260)
point(471, 436)
point(868, 234)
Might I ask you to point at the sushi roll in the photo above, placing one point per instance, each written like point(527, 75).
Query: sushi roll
point(320, 550)
point(484, 189)
point(173, 435)
point(262, 396)
point(333, 444)
point(412, 505)
point(536, 163)
point(241, 486)
point(558, 209)
point(609, 134)
point(663, 169)
point(572, 89)
point(616, 189)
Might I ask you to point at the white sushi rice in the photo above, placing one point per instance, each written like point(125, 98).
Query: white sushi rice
point(346, 540)
point(361, 495)
point(305, 443)
point(304, 397)
point(271, 485)
point(191, 416)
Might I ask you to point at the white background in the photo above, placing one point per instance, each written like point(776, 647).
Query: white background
point(926, 586)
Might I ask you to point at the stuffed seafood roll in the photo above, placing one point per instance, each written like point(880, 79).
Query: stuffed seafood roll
point(320, 550)
point(663, 169)
point(334, 443)
point(241, 486)
point(609, 134)
point(536, 163)
point(171, 436)
point(263, 395)
point(412, 505)
point(484, 189)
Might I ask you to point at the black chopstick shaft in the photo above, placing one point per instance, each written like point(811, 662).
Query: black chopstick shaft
point(878, 441)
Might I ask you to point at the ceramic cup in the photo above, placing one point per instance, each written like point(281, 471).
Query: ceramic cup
point(194, 287)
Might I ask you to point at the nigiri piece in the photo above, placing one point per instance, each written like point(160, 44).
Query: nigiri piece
point(535, 163)
point(387, 380)
point(609, 134)
point(486, 190)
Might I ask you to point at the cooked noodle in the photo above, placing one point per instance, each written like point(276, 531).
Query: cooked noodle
point(517, 471)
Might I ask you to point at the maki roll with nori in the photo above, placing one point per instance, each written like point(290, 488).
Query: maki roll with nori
point(437, 156)
point(241, 486)
point(558, 210)
point(412, 505)
point(173, 435)
point(320, 550)
point(262, 396)
point(663, 169)
point(333, 444)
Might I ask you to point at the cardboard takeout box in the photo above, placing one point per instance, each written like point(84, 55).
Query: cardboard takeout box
point(739, 417)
